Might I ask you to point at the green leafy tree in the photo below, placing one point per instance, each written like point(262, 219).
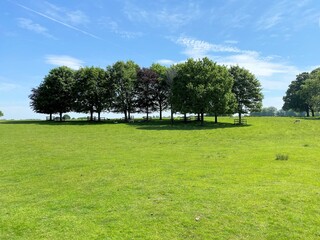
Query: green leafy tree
point(310, 91)
point(202, 86)
point(181, 95)
point(247, 91)
point(146, 91)
point(161, 88)
point(171, 73)
point(92, 91)
point(54, 94)
point(267, 111)
point(123, 76)
point(294, 99)
point(1, 114)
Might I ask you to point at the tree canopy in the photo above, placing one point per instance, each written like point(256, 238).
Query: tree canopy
point(247, 91)
point(194, 87)
point(92, 91)
point(303, 93)
point(54, 95)
point(123, 77)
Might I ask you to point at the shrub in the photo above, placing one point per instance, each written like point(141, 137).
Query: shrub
point(66, 117)
point(281, 156)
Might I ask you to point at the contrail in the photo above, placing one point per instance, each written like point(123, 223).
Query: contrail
point(57, 21)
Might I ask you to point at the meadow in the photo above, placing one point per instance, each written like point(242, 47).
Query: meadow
point(79, 180)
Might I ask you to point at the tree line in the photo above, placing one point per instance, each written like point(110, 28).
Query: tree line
point(193, 87)
point(303, 93)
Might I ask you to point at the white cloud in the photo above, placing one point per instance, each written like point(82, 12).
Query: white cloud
point(63, 20)
point(197, 49)
point(64, 60)
point(288, 16)
point(260, 66)
point(113, 26)
point(166, 62)
point(268, 22)
point(168, 16)
point(272, 71)
point(34, 27)
point(7, 87)
point(77, 17)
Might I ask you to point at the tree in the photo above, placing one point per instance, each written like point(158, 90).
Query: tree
point(1, 114)
point(146, 91)
point(310, 91)
point(123, 77)
point(171, 73)
point(247, 91)
point(181, 96)
point(294, 99)
point(54, 94)
point(92, 91)
point(267, 111)
point(161, 88)
point(202, 86)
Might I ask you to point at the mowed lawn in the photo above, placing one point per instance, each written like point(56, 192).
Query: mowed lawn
point(77, 180)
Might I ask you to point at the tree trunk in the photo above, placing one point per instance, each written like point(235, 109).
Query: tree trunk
point(198, 118)
point(312, 112)
point(50, 116)
point(239, 117)
point(215, 118)
point(185, 117)
point(160, 109)
point(171, 116)
point(202, 118)
point(60, 114)
point(91, 115)
point(307, 111)
point(125, 115)
point(99, 116)
point(147, 114)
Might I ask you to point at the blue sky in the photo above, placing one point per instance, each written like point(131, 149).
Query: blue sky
point(275, 40)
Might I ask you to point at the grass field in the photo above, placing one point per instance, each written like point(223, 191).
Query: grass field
point(77, 180)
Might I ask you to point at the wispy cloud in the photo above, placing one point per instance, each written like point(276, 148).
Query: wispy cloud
point(166, 62)
point(58, 21)
point(269, 21)
point(34, 27)
point(7, 86)
point(197, 48)
point(64, 60)
point(274, 73)
point(288, 15)
point(167, 16)
point(114, 27)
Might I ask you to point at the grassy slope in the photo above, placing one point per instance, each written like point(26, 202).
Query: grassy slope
point(151, 181)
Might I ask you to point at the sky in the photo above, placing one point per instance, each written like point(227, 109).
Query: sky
point(274, 39)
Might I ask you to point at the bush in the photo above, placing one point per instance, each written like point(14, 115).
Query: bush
point(66, 117)
point(281, 156)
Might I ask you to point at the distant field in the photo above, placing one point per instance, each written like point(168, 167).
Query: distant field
point(77, 180)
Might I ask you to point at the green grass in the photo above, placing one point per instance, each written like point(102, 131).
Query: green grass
point(77, 180)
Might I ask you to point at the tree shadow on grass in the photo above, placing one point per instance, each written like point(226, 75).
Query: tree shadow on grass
point(180, 125)
point(138, 124)
point(56, 123)
point(309, 118)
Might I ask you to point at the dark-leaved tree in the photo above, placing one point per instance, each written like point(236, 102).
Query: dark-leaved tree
point(145, 91)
